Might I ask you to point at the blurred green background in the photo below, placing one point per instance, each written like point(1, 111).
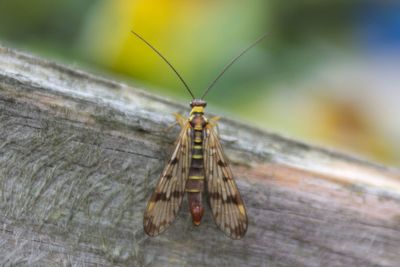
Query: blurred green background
point(328, 73)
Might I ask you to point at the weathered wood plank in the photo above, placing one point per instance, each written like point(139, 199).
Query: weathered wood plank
point(79, 156)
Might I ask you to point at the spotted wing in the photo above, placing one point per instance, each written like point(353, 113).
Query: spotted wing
point(166, 200)
point(224, 197)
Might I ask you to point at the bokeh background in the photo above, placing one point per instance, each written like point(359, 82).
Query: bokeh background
point(328, 73)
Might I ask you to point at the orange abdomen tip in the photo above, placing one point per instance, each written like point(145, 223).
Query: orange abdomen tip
point(197, 213)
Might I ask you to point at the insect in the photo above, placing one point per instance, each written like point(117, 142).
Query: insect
point(197, 164)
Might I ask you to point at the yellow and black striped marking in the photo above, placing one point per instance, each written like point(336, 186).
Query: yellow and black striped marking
point(195, 182)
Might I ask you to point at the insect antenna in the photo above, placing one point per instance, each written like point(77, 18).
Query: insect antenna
point(227, 66)
point(166, 61)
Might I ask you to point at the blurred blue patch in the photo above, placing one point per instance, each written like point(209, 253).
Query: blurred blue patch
point(379, 25)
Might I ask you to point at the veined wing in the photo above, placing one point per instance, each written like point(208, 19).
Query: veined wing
point(224, 197)
point(166, 200)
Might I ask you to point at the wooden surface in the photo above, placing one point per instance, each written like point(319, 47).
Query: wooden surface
point(79, 156)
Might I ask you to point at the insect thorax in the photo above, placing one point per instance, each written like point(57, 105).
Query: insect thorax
point(197, 120)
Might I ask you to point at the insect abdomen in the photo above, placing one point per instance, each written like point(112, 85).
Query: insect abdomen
point(195, 183)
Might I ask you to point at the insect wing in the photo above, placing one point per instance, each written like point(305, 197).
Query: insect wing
point(226, 204)
point(166, 199)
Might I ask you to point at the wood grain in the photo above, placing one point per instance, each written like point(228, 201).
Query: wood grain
point(80, 155)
